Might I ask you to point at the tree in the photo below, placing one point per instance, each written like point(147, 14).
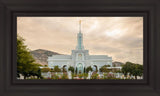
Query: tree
point(45, 69)
point(132, 69)
point(35, 71)
point(45, 65)
point(76, 70)
point(64, 69)
point(25, 61)
point(57, 69)
point(24, 58)
point(104, 69)
point(84, 70)
point(137, 70)
point(96, 68)
point(140, 67)
point(127, 68)
point(38, 74)
point(89, 68)
point(107, 66)
point(71, 69)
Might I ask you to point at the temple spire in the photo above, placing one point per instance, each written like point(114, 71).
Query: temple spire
point(79, 26)
point(80, 39)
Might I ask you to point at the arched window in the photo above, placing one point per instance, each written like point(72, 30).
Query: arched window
point(79, 56)
point(80, 65)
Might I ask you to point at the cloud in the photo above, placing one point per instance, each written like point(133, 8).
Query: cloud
point(118, 37)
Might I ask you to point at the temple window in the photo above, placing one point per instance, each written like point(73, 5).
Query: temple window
point(79, 56)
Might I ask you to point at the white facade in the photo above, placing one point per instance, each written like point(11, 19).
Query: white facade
point(79, 58)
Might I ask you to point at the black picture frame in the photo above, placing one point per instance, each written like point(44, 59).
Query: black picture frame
point(10, 9)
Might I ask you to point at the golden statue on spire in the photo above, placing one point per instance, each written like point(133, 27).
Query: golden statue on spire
point(80, 26)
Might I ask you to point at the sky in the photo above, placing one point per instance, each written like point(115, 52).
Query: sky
point(118, 37)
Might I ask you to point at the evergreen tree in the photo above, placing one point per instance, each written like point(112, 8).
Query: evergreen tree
point(25, 61)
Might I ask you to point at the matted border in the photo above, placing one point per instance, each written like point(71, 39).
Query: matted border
point(9, 9)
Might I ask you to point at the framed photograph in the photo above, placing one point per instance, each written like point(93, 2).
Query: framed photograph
point(120, 37)
point(79, 48)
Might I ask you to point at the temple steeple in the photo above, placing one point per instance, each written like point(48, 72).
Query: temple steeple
point(80, 39)
point(80, 26)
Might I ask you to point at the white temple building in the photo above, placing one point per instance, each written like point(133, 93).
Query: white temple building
point(79, 58)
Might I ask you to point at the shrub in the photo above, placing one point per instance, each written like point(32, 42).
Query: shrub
point(94, 76)
point(105, 76)
point(45, 65)
point(45, 69)
point(64, 76)
point(56, 77)
point(103, 69)
point(57, 69)
point(73, 75)
point(85, 75)
point(80, 76)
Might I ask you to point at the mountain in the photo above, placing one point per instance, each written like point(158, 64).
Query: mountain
point(41, 55)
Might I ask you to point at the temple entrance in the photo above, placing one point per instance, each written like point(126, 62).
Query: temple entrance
point(79, 68)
